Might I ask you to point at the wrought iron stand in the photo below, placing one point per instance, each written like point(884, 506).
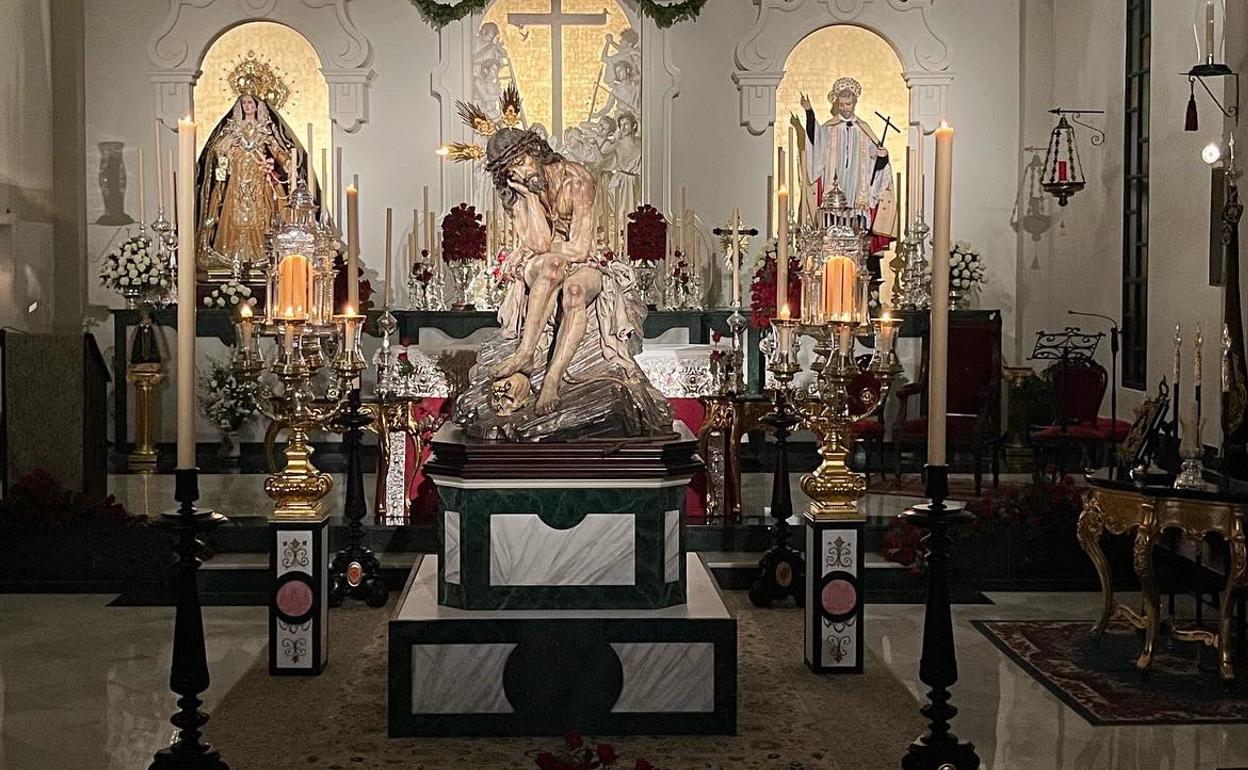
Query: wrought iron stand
point(355, 571)
point(938, 666)
point(188, 675)
point(782, 569)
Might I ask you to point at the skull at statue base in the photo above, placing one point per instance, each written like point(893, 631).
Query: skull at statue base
point(511, 394)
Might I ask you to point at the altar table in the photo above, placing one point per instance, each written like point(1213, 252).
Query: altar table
point(1121, 507)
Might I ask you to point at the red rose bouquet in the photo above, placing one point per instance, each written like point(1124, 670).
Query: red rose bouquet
point(647, 235)
point(463, 235)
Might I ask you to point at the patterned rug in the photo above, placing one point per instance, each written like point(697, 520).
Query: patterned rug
point(1100, 681)
point(787, 716)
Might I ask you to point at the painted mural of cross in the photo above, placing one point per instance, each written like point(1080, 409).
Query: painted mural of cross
point(557, 20)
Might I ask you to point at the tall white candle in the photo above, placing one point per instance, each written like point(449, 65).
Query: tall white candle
point(309, 159)
point(324, 177)
point(160, 173)
point(938, 361)
point(782, 251)
point(142, 190)
point(736, 258)
point(1210, 54)
point(424, 208)
point(772, 222)
point(186, 293)
point(338, 189)
point(413, 247)
point(389, 252)
point(173, 184)
point(353, 245)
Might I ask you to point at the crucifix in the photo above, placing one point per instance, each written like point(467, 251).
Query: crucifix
point(556, 19)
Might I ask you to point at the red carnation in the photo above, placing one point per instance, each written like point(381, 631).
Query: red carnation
point(574, 739)
point(606, 753)
point(546, 761)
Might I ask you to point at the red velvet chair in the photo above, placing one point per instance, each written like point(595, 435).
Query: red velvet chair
point(1079, 386)
point(973, 419)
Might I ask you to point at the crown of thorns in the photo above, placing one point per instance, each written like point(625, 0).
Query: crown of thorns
point(510, 118)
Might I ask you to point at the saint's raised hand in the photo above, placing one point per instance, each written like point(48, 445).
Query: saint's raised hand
point(806, 102)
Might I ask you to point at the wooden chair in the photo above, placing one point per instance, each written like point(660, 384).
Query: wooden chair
point(1079, 385)
point(973, 419)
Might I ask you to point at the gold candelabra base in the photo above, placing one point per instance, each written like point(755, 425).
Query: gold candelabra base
point(834, 489)
point(299, 489)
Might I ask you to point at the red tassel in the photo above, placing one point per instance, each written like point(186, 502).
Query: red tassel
point(1192, 123)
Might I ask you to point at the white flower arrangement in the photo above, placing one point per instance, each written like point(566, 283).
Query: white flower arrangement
point(966, 269)
point(229, 294)
point(226, 401)
point(132, 267)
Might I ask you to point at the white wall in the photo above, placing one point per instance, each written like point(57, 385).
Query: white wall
point(1011, 59)
point(25, 165)
point(1077, 262)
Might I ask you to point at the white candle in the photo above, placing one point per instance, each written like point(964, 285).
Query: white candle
point(424, 207)
point(142, 190)
point(160, 173)
point(173, 184)
point(324, 164)
point(353, 244)
point(309, 158)
point(338, 188)
point(782, 251)
point(1196, 366)
point(1210, 54)
point(413, 250)
point(736, 258)
point(186, 293)
point(920, 173)
point(389, 251)
point(938, 362)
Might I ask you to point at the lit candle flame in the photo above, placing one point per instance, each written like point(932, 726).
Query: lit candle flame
point(887, 316)
point(245, 310)
point(784, 312)
point(349, 312)
point(443, 151)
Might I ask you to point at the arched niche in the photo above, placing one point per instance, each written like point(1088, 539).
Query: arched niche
point(452, 80)
point(293, 59)
point(781, 24)
point(845, 50)
point(178, 47)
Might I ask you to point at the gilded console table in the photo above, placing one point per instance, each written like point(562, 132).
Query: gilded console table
point(1120, 507)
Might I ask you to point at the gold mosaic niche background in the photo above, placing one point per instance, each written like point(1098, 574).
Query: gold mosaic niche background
point(294, 57)
point(529, 50)
point(839, 51)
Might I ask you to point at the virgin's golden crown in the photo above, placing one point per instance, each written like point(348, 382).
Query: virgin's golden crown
point(253, 77)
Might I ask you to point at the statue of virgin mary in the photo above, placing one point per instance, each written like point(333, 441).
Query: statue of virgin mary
point(244, 176)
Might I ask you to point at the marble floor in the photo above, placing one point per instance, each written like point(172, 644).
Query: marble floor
point(85, 685)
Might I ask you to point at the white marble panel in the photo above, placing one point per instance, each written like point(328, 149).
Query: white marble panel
point(294, 552)
point(459, 678)
point(839, 551)
point(671, 546)
point(666, 677)
point(600, 551)
point(840, 643)
point(450, 546)
point(294, 645)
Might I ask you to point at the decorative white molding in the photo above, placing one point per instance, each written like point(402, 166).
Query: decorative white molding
point(781, 24)
point(191, 26)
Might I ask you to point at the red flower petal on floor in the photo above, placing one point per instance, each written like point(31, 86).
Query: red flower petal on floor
point(574, 739)
point(606, 753)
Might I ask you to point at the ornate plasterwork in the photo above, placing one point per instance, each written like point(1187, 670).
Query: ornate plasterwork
point(191, 26)
point(781, 24)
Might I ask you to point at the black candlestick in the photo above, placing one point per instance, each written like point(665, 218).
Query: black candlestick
point(355, 571)
point(938, 667)
point(188, 675)
point(782, 569)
